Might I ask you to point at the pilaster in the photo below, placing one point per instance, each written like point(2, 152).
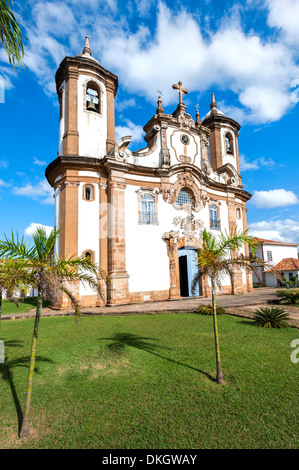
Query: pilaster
point(71, 135)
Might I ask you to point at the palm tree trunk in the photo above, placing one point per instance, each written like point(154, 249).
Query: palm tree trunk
point(219, 376)
point(0, 304)
point(25, 424)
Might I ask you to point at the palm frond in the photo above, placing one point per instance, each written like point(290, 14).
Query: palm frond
point(11, 35)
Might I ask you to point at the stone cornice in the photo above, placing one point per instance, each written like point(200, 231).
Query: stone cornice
point(72, 65)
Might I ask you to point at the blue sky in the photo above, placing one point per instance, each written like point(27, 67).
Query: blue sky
point(245, 51)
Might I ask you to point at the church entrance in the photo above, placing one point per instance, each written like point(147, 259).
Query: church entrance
point(188, 270)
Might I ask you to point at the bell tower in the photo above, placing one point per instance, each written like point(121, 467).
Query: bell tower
point(86, 93)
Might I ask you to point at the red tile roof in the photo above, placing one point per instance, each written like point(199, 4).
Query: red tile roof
point(264, 240)
point(287, 264)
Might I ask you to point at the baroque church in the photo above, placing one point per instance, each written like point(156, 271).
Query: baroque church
point(138, 214)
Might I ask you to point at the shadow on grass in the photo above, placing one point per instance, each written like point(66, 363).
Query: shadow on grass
point(6, 371)
point(121, 340)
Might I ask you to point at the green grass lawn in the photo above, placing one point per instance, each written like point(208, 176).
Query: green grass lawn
point(23, 306)
point(147, 381)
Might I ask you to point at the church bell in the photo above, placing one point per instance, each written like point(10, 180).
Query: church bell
point(91, 106)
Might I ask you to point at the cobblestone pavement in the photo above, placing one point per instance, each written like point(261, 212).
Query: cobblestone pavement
point(247, 302)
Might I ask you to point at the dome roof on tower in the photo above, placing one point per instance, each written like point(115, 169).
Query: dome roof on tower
point(214, 110)
point(87, 51)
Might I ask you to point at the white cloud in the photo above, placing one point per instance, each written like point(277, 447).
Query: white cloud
point(4, 183)
point(257, 69)
point(124, 104)
point(3, 164)
point(259, 72)
point(33, 226)
point(245, 165)
point(279, 230)
point(38, 162)
point(284, 15)
point(132, 129)
point(41, 192)
point(274, 198)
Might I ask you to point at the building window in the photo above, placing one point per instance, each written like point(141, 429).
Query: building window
point(238, 213)
point(269, 256)
point(147, 213)
point(88, 192)
point(89, 254)
point(60, 99)
point(214, 219)
point(92, 97)
point(184, 198)
point(229, 143)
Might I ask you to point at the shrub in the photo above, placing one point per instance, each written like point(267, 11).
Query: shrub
point(273, 317)
point(288, 296)
point(208, 310)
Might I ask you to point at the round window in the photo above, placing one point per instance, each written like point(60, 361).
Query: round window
point(185, 139)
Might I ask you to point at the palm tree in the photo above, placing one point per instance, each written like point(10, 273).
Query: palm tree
point(216, 258)
point(10, 277)
point(11, 34)
point(52, 277)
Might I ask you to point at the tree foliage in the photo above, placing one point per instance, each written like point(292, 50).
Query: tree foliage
point(51, 276)
point(11, 35)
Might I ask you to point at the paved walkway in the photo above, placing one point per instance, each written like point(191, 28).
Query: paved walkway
point(234, 303)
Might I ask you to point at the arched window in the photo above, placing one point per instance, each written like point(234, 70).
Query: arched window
point(229, 143)
point(89, 254)
point(214, 219)
point(184, 198)
point(88, 192)
point(93, 97)
point(147, 214)
point(238, 213)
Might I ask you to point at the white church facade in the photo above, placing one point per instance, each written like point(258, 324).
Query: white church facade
point(138, 214)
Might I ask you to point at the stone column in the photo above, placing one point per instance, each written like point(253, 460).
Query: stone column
point(238, 278)
point(111, 92)
point(118, 289)
point(71, 135)
point(103, 241)
point(249, 282)
point(215, 146)
point(174, 270)
point(68, 235)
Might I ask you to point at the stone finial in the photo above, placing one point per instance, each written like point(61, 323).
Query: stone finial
point(86, 49)
point(160, 110)
point(213, 102)
point(198, 121)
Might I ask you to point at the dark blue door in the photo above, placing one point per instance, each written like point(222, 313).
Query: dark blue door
point(188, 270)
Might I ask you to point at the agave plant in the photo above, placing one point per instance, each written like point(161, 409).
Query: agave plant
point(208, 310)
point(288, 296)
point(273, 317)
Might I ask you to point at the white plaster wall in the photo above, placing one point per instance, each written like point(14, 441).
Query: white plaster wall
point(88, 229)
point(279, 252)
point(146, 252)
point(151, 160)
point(193, 148)
point(227, 158)
point(92, 127)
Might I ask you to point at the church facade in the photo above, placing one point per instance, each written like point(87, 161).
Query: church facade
point(138, 214)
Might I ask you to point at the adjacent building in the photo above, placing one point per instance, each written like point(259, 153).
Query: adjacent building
point(279, 257)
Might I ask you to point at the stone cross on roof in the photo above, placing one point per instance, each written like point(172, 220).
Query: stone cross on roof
point(181, 90)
